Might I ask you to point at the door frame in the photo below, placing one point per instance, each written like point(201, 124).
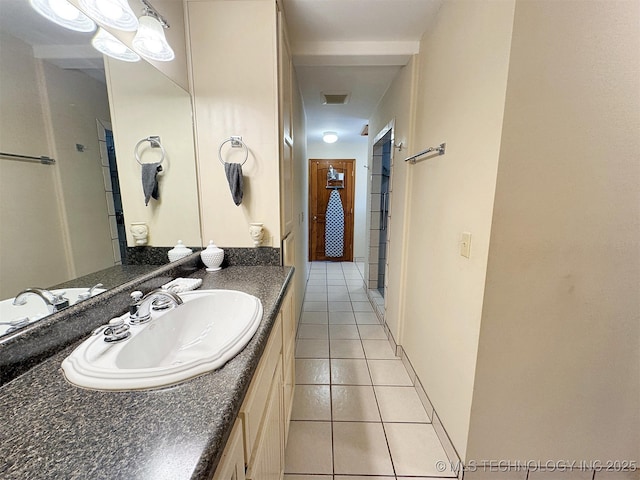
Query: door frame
point(349, 210)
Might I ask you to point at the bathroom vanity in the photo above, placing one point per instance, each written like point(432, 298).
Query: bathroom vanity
point(231, 423)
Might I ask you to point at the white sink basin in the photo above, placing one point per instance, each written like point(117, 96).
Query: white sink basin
point(35, 308)
point(206, 331)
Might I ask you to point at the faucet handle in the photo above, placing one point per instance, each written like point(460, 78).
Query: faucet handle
point(116, 330)
point(89, 293)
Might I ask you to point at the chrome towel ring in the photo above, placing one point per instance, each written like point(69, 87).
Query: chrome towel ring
point(155, 142)
point(236, 142)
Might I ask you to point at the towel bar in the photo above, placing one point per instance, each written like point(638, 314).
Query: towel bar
point(236, 142)
point(155, 142)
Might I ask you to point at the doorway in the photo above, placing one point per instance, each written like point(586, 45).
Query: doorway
point(331, 197)
point(379, 206)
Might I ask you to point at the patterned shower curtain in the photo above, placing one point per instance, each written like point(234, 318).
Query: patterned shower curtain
point(334, 226)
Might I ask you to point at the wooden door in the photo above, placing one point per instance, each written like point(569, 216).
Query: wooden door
point(318, 200)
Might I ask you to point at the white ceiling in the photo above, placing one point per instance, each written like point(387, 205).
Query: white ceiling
point(60, 46)
point(355, 46)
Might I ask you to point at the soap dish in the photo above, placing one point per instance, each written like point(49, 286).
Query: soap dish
point(180, 285)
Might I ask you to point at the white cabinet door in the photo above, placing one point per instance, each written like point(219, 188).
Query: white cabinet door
point(231, 466)
point(268, 460)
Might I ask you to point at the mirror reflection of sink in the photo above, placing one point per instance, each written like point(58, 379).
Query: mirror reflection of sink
point(206, 331)
point(34, 309)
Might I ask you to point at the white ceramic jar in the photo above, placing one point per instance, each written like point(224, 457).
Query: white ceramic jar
point(178, 252)
point(212, 257)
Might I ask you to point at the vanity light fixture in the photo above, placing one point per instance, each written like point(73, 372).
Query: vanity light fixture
point(329, 137)
point(150, 40)
point(109, 45)
point(64, 14)
point(112, 13)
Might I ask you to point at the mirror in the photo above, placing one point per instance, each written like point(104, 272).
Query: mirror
point(73, 218)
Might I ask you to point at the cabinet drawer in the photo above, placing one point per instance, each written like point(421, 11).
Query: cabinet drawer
point(254, 405)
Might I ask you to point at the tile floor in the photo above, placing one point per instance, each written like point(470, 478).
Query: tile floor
point(355, 410)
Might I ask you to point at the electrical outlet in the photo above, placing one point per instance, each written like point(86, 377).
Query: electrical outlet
point(465, 244)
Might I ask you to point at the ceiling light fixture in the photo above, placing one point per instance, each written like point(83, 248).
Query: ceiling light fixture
point(112, 13)
point(329, 137)
point(64, 14)
point(109, 45)
point(150, 41)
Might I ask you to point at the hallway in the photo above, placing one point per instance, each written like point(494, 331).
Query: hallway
point(355, 410)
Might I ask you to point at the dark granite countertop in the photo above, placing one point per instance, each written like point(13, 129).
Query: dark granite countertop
point(109, 277)
point(50, 429)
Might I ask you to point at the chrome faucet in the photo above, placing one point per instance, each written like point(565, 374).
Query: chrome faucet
point(54, 302)
point(143, 312)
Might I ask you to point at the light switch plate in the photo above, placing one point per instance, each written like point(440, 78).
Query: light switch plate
point(465, 244)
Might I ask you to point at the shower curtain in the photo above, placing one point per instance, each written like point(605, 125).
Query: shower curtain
point(334, 226)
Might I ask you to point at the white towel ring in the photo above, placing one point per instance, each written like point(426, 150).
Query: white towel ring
point(233, 140)
point(153, 142)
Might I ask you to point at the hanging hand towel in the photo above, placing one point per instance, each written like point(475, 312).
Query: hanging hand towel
point(234, 177)
point(150, 181)
point(334, 226)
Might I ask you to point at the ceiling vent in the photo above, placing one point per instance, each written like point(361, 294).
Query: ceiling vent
point(335, 98)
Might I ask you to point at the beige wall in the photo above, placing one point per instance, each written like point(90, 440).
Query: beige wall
point(29, 209)
point(396, 106)
point(234, 84)
point(143, 103)
point(75, 103)
point(558, 368)
point(53, 217)
point(462, 74)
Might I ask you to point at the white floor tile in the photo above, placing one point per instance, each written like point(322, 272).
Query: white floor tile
point(378, 350)
point(312, 371)
point(339, 297)
point(372, 332)
point(309, 448)
point(312, 402)
point(288, 476)
point(342, 318)
point(358, 297)
point(400, 405)
point(316, 289)
point(314, 306)
point(346, 349)
point(313, 331)
point(389, 372)
point(415, 449)
point(343, 332)
point(360, 449)
point(340, 307)
point(366, 318)
point(349, 372)
point(362, 307)
point(561, 475)
point(336, 281)
point(354, 404)
point(314, 317)
point(312, 348)
point(315, 297)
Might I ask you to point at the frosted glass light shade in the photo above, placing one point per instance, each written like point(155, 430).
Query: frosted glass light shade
point(112, 13)
point(329, 137)
point(109, 45)
point(150, 41)
point(64, 14)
